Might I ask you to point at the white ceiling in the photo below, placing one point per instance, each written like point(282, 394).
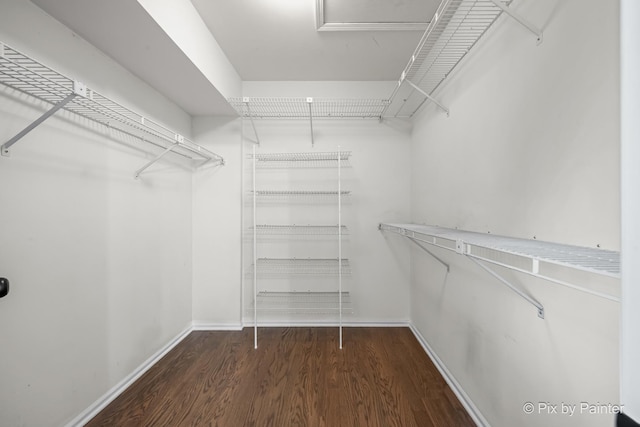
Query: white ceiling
point(378, 11)
point(265, 40)
point(278, 40)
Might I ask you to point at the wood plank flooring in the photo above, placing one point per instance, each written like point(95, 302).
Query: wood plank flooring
point(296, 377)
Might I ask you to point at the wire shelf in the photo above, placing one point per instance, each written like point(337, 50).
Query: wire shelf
point(301, 267)
point(592, 260)
point(456, 28)
point(28, 76)
point(304, 303)
point(302, 160)
point(299, 230)
point(300, 193)
point(304, 108)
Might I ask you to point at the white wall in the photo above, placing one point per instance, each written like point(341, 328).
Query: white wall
point(99, 263)
point(217, 200)
point(531, 149)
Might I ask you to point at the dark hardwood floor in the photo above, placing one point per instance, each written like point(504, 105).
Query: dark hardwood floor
point(296, 377)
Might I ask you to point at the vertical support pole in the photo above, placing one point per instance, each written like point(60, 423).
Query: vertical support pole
point(340, 244)
point(309, 102)
point(255, 255)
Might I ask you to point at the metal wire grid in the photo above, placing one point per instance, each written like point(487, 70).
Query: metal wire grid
point(299, 193)
point(455, 29)
point(279, 267)
point(302, 160)
point(593, 260)
point(303, 108)
point(306, 303)
point(299, 230)
point(30, 77)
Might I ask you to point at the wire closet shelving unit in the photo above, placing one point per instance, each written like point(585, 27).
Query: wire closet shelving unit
point(307, 109)
point(28, 76)
point(522, 255)
point(312, 301)
point(454, 30)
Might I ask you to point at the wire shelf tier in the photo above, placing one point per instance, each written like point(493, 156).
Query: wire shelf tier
point(303, 160)
point(301, 193)
point(299, 230)
point(455, 29)
point(592, 260)
point(28, 76)
point(304, 303)
point(305, 108)
point(305, 267)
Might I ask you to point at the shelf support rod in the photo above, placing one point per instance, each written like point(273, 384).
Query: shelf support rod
point(5, 147)
point(417, 243)
point(255, 131)
point(158, 157)
point(255, 250)
point(429, 97)
point(310, 101)
point(519, 19)
point(339, 242)
point(511, 286)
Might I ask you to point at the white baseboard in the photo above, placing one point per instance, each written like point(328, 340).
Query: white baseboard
point(85, 416)
point(457, 389)
point(299, 324)
point(205, 326)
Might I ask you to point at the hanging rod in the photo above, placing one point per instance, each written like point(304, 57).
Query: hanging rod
point(26, 75)
point(455, 29)
point(522, 255)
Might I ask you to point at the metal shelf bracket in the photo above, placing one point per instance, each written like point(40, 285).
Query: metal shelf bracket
point(158, 157)
point(79, 89)
point(434, 256)
point(426, 95)
point(519, 19)
point(255, 131)
point(511, 286)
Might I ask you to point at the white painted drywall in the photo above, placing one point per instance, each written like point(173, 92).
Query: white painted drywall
point(531, 149)
point(217, 199)
point(99, 263)
point(630, 156)
point(181, 21)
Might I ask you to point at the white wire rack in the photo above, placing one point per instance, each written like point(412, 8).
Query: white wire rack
point(293, 193)
point(523, 255)
point(455, 29)
point(307, 303)
point(322, 197)
point(301, 267)
point(307, 108)
point(304, 108)
point(299, 230)
point(28, 76)
point(302, 160)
